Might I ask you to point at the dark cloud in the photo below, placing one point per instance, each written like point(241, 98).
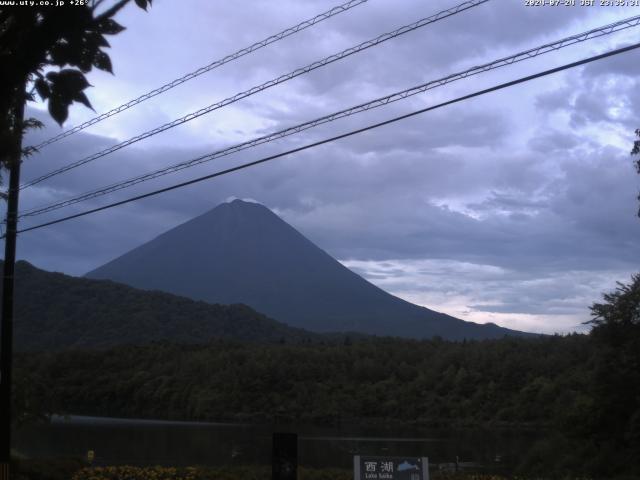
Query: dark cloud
point(622, 65)
point(377, 203)
point(554, 141)
point(604, 92)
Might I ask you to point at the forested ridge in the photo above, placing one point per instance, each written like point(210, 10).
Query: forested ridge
point(55, 311)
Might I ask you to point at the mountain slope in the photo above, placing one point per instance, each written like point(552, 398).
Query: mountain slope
point(241, 252)
point(55, 311)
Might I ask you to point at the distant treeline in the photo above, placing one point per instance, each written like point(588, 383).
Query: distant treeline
point(506, 382)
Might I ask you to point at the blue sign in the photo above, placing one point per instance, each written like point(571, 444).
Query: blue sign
point(390, 468)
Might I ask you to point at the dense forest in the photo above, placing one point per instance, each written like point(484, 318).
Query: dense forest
point(70, 312)
point(511, 381)
point(552, 384)
point(584, 390)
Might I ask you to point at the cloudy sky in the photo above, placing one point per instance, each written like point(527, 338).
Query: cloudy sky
point(517, 207)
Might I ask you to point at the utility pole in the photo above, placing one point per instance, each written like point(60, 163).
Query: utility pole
point(6, 327)
point(32, 34)
point(284, 463)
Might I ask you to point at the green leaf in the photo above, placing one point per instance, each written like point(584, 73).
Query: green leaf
point(109, 26)
point(69, 81)
point(103, 62)
point(42, 87)
point(142, 4)
point(85, 61)
point(100, 40)
point(58, 110)
point(59, 54)
point(82, 98)
point(66, 86)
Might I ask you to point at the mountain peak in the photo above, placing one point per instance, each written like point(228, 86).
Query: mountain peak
point(242, 252)
point(240, 203)
point(238, 207)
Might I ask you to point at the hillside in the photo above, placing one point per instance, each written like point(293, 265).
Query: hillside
point(241, 252)
point(56, 311)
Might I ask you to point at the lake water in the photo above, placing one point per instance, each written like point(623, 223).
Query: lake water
point(144, 442)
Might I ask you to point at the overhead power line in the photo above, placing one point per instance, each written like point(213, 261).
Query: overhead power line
point(531, 53)
point(207, 68)
point(338, 137)
point(264, 86)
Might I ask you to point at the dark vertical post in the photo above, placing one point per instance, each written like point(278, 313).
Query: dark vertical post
point(284, 464)
point(425, 468)
point(6, 327)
